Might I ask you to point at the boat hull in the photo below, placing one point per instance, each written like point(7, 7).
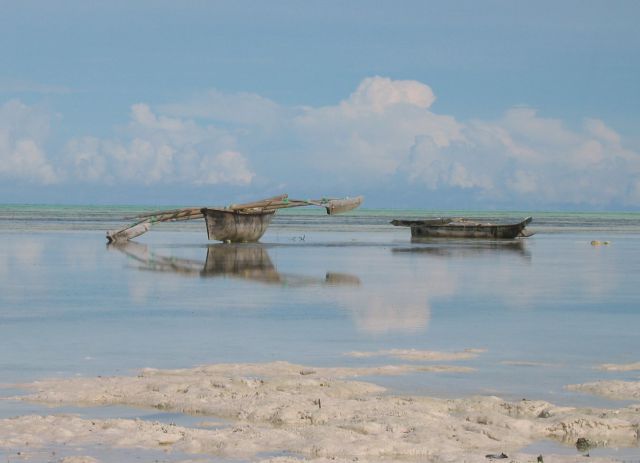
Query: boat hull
point(441, 228)
point(236, 227)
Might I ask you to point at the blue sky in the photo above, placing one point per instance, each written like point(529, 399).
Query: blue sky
point(466, 104)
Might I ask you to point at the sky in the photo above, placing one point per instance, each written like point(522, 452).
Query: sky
point(480, 105)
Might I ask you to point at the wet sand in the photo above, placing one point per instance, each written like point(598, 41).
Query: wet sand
point(419, 355)
point(620, 367)
point(312, 414)
point(613, 389)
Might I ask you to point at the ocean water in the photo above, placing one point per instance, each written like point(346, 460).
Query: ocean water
point(546, 311)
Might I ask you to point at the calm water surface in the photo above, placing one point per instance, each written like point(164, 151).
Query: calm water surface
point(547, 310)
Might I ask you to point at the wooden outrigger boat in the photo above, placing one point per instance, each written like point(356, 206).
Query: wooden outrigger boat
point(464, 228)
point(237, 223)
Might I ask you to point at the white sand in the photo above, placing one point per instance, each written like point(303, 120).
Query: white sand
point(420, 355)
point(528, 363)
point(620, 367)
point(309, 412)
point(79, 459)
point(615, 389)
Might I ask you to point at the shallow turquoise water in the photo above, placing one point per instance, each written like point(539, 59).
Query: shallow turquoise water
point(547, 310)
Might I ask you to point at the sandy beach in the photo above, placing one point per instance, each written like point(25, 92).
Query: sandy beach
point(311, 414)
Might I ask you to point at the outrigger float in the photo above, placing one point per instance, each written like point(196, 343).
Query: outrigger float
point(237, 223)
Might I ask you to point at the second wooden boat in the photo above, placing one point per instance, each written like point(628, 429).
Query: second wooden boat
point(464, 228)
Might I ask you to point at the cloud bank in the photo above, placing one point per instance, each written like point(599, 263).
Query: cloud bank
point(23, 133)
point(384, 133)
point(158, 149)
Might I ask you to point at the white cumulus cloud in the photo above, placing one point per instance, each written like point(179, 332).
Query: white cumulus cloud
point(23, 132)
point(379, 93)
point(226, 167)
point(531, 157)
point(371, 133)
point(158, 149)
point(384, 133)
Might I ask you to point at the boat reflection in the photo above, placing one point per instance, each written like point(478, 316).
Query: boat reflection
point(248, 261)
point(471, 248)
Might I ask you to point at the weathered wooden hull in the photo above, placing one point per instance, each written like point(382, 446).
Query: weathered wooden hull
point(235, 226)
point(441, 228)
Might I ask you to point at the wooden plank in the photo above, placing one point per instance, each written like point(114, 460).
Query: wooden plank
point(128, 233)
point(259, 204)
point(165, 212)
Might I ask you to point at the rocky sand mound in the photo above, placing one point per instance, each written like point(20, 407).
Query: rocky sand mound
point(312, 414)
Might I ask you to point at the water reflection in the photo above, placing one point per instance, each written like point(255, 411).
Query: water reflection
point(386, 290)
point(250, 261)
point(403, 301)
point(467, 248)
point(398, 298)
point(245, 261)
